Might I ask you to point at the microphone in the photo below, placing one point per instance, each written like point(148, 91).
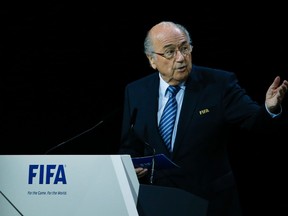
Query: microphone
point(82, 133)
point(152, 163)
point(132, 124)
point(133, 118)
point(72, 138)
point(153, 155)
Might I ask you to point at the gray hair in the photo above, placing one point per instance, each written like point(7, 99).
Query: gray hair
point(148, 47)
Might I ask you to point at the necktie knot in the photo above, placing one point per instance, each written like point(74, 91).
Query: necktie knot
point(173, 90)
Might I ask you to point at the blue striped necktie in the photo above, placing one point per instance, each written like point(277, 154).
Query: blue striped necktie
point(168, 117)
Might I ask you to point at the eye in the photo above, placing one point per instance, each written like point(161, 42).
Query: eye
point(169, 52)
point(185, 49)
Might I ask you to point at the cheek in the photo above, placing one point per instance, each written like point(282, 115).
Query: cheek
point(166, 68)
point(170, 72)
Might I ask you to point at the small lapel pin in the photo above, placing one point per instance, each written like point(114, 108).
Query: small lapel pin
point(204, 111)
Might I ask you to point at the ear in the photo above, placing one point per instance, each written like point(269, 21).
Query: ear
point(152, 62)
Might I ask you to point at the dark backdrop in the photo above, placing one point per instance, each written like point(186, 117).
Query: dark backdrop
point(64, 70)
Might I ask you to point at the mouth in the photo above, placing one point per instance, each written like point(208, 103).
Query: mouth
point(181, 69)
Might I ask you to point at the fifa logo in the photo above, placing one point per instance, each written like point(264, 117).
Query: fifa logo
point(47, 174)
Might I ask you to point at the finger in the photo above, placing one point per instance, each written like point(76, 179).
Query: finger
point(275, 83)
point(283, 88)
point(140, 170)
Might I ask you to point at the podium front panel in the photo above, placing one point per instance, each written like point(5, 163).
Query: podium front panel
point(65, 185)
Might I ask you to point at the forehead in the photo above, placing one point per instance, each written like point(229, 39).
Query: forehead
point(168, 36)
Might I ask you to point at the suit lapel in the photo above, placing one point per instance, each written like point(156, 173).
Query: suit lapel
point(191, 99)
point(151, 108)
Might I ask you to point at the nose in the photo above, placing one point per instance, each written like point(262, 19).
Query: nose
point(177, 56)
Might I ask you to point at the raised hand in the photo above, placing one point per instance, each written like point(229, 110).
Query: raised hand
point(275, 94)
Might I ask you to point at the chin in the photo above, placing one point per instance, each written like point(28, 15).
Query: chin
point(181, 76)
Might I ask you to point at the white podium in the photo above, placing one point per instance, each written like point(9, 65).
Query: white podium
point(68, 185)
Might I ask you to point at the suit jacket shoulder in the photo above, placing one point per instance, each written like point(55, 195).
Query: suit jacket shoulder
point(206, 72)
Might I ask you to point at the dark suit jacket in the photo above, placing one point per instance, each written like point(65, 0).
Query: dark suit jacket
point(213, 105)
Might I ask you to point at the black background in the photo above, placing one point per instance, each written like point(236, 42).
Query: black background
point(64, 69)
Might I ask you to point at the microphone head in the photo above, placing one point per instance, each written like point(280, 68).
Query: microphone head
point(133, 118)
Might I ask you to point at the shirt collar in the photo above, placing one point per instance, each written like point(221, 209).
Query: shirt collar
point(164, 85)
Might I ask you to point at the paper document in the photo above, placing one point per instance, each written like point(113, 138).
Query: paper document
point(161, 161)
